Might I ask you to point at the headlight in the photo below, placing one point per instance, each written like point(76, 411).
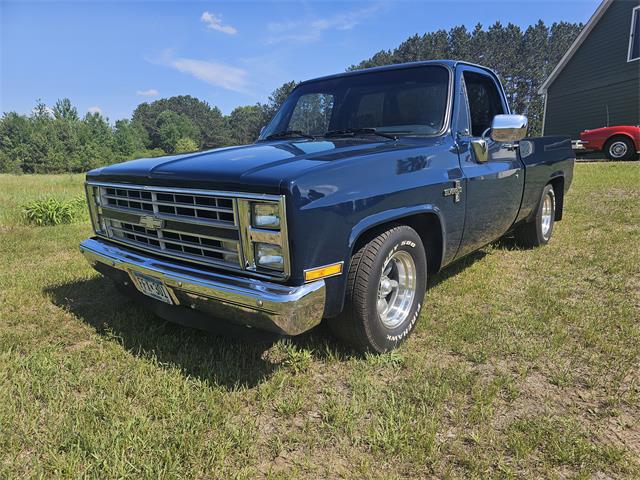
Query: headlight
point(263, 230)
point(269, 256)
point(266, 215)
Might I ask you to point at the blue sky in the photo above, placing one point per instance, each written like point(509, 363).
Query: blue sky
point(111, 56)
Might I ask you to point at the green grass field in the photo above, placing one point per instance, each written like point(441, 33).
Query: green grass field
point(525, 364)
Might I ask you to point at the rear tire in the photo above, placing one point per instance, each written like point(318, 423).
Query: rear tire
point(620, 149)
point(538, 231)
point(385, 288)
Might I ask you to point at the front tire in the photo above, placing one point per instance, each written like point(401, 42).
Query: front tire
point(619, 148)
point(538, 231)
point(385, 288)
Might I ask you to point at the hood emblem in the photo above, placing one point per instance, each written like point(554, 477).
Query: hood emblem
point(151, 223)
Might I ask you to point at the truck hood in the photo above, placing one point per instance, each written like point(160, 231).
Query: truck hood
point(258, 167)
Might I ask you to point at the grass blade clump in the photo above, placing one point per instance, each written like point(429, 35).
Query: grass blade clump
point(53, 211)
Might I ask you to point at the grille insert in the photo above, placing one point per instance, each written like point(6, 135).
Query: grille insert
point(216, 209)
point(172, 242)
point(212, 240)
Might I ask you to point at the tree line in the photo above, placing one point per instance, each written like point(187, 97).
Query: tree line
point(57, 139)
point(523, 59)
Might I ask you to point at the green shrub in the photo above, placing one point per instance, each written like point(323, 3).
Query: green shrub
point(53, 211)
point(147, 153)
point(186, 145)
point(297, 360)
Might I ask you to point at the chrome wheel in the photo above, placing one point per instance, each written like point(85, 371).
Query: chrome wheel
point(618, 149)
point(548, 207)
point(397, 289)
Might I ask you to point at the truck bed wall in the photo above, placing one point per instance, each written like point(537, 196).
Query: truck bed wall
point(544, 159)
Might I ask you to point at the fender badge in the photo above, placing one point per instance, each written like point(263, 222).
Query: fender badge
point(455, 191)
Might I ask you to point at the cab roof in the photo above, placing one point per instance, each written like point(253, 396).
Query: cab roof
point(398, 66)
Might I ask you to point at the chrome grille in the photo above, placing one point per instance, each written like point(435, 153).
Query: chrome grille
point(174, 242)
point(168, 203)
point(201, 226)
point(197, 226)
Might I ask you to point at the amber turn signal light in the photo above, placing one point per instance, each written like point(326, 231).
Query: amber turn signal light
point(323, 272)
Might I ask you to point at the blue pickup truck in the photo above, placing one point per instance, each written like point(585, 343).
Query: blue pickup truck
point(362, 185)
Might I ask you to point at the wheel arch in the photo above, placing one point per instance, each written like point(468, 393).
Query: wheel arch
point(425, 220)
point(624, 135)
point(557, 182)
point(620, 135)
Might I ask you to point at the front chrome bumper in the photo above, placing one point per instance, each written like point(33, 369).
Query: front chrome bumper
point(290, 310)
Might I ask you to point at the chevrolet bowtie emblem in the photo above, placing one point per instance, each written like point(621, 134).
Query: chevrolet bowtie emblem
point(456, 190)
point(151, 223)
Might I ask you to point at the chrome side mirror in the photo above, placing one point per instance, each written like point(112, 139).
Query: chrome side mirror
point(508, 128)
point(504, 128)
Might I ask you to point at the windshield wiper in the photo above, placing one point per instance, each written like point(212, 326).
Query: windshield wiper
point(359, 131)
point(289, 133)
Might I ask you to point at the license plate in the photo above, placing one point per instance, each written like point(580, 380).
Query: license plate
point(152, 287)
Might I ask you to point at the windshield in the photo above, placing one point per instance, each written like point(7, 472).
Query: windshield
point(407, 101)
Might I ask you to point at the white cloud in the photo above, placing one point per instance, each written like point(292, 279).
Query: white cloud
point(311, 30)
point(214, 22)
point(213, 73)
point(94, 110)
point(152, 92)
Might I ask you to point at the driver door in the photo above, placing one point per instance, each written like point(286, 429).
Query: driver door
point(494, 188)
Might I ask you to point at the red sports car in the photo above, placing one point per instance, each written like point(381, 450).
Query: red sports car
point(618, 143)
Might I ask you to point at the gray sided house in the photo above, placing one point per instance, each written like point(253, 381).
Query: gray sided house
point(597, 82)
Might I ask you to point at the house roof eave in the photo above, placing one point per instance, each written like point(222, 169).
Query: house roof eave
point(597, 15)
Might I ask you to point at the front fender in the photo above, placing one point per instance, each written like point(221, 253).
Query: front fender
point(389, 216)
point(333, 205)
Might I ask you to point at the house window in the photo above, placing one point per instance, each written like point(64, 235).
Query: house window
point(634, 36)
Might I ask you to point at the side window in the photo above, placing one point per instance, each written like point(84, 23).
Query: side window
point(484, 101)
